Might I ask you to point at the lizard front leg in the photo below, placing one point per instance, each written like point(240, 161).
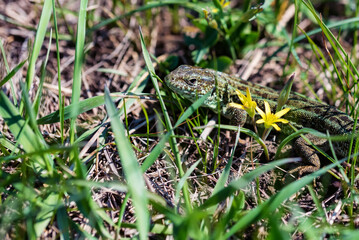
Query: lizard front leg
point(236, 116)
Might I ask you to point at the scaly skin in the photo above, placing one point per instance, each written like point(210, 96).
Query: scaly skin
point(193, 82)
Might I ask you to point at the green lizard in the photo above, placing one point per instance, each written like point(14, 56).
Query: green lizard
point(193, 82)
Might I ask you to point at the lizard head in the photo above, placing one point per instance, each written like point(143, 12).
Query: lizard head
point(191, 82)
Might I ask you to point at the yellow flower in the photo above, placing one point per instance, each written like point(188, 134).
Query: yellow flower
point(224, 4)
point(207, 15)
point(248, 104)
point(269, 119)
point(211, 22)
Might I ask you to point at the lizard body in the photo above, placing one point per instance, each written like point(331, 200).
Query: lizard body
point(193, 82)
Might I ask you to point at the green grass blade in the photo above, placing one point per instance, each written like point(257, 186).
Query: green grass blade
point(69, 111)
point(265, 209)
point(342, 55)
point(172, 141)
point(240, 183)
point(183, 180)
point(3, 54)
point(47, 210)
point(22, 131)
point(39, 39)
point(225, 174)
point(63, 223)
point(159, 147)
point(12, 73)
point(58, 61)
point(246, 131)
point(38, 96)
point(153, 4)
point(131, 168)
point(314, 132)
point(79, 57)
point(30, 114)
point(37, 102)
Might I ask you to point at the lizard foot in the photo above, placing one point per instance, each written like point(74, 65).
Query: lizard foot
point(309, 154)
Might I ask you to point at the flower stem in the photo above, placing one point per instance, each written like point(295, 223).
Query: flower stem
point(254, 125)
point(266, 133)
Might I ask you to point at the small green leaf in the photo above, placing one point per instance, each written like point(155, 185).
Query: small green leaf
point(221, 63)
point(284, 94)
point(47, 210)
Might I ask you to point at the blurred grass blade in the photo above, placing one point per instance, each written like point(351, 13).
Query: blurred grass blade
point(79, 57)
point(131, 169)
point(314, 132)
point(5, 62)
point(246, 131)
point(159, 147)
point(112, 71)
point(241, 183)
point(342, 55)
point(12, 73)
point(267, 208)
point(47, 210)
point(38, 96)
point(149, 5)
point(39, 39)
point(183, 180)
point(37, 102)
point(69, 111)
point(61, 104)
point(222, 180)
point(172, 141)
point(63, 223)
point(23, 133)
point(30, 115)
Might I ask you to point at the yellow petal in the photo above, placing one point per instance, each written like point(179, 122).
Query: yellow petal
point(248, 94)
point(205, 13)
point(215, 10)
point(267, 108)
point(241, 96)
point(236, 105)
point(253, 104)
point(259, 121)
point(226, 4)
point(282, 112)
point(263, 115)
point(276, 127)
point(282, 120)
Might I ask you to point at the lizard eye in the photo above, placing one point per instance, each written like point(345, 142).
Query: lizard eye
point(191, 81)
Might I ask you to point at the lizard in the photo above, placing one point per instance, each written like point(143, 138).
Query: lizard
point(193, 82)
